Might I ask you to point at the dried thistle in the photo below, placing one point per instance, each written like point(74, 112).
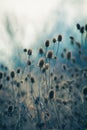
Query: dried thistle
point(51, 94)
point(49, 54)
point(47, 43)
point(12, 74)
point(41, 62)
point(30, 52)
point(41, 51)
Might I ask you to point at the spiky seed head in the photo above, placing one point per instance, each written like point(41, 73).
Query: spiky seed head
point(25, 50)
point(54, 40)
point(55, 57)
point(18, 70)
point(29, 52)
point(1, 86)
point(41, 51)
point(8, 78)
point(78, 26)
point(12, 74)
point(86, 27)
point(85, 91)
point(51, 94)
point(28, 62)
point(32, 80)
point(68, 55)
point(18, 84)
point(44, 69)
point(64, 66)
point(65, 102)
point(41, 62)
point(55, 78)
point(57, 87)
point(1, 75)
point(10, 108)
point(82, 30)
point(47, 43)
point(49, 54)
point(59, 38)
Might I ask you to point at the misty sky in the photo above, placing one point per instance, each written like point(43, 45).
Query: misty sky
point(26, 23)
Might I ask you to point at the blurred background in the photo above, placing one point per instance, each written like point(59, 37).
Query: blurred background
point(28, 23)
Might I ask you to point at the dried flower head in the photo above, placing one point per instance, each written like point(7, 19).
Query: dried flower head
point(25, 50)
point(30, 52)
point(10, 109)
point(18, 84)
point(1, 75)
point(68, 55)
point(28, 62)
point(44, 69)
point(55, 78)
point(47, 43)
point(18, 70)
point(57, 87)
point(54, 40)
point(64, 67)
point(32, 79)
point(85, 91)
point(1, 86)
point(8, 78)
point(49, 54)
point(12, 74)
point(86, 27)
point(41, 62)
point(41, 51)
point(78, 26)
point(82, 30)
point(55, 57)
point(59, 38)
point(51, 94)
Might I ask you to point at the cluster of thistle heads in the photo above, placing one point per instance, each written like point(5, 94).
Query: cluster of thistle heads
point(47, 85)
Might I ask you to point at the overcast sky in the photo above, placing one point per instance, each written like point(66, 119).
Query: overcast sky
point(26, 22)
